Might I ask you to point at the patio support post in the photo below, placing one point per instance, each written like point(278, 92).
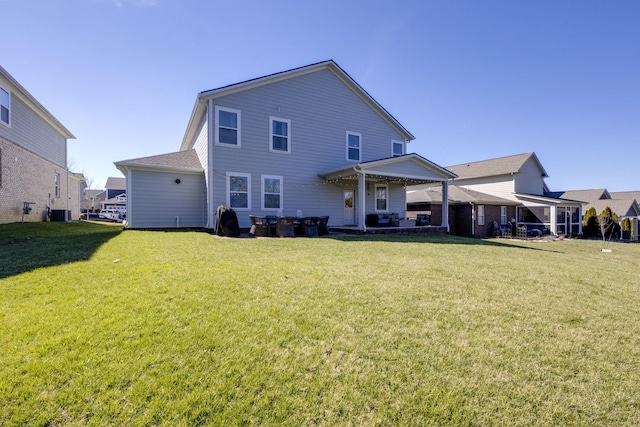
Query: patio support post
point(445, 204)
point(362, 187)
point(554, 220)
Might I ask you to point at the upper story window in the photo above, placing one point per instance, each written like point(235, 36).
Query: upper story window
point(397, 148)
point(354, 145)
point(271, 192)
point(239, 190)
point(227, 126)
point(56, 185)
point(382, 195)
point(5, 107)
point(280, 132)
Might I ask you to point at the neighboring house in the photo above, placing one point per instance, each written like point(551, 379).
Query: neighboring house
point(89, 202)
point(33, 157)
point(307, 140)
point(518, 184)
point(624, 204)
point(471, 213)
point(114, 195)
point(77, 188)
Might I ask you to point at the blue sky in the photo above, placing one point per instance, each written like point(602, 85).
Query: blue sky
point(471, 80)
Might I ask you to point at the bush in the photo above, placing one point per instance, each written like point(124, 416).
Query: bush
point(590, 225)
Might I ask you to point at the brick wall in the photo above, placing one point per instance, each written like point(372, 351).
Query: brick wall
point(27, 177)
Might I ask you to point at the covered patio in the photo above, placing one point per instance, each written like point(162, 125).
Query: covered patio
point(378, 187)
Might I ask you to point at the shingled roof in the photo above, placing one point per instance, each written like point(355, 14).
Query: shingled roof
point(581, 195)
point(493, 167)
point(181, 160)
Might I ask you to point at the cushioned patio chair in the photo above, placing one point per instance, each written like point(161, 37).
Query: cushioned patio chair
point(310, 226)
point(422, 219)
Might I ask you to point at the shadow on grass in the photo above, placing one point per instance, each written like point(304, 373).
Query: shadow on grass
point(439, 239)
point(27, 246)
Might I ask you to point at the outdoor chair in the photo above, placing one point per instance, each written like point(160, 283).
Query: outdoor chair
point(310, 226)
point(259, 226)
point(323, 230)
point(284, 226)
point(422, 219)
point(272, 221)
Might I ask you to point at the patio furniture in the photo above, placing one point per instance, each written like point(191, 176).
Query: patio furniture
point(323, 229)
point(259, 226)
point(272, 221)
point(310, 226)
point(422, 219)
point(505, 231)
point(284, 226)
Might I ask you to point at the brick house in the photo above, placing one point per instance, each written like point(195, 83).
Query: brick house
point(33, 158)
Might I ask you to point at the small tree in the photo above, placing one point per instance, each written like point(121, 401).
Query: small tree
point(626, 224)
point(590, 223)
point(609, 224)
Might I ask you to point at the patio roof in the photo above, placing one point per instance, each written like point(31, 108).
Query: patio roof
point(409, 169)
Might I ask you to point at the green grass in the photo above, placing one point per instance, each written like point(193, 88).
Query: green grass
point(103, 327)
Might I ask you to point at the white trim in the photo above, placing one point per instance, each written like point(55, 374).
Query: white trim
point(262, 192)
point(375, 197)
point(228, 190)
point(503, 215)
point(359, 135)
point(271, 134)
point(219, 108)
point(8, 106)
point(393, 144)
point(481, 219)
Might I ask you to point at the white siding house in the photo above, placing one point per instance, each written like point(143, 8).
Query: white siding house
point(308, 139)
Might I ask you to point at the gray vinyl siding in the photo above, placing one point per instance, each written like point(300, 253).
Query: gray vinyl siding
point(34, 134)
point(499, 186)
point(529, 180)
point(321, 109)
point(156, 201)
point(200, 144)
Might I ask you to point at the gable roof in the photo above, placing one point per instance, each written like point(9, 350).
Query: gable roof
point(200, 106)
point(184, 161)
point(626, 195)
point(29, 99)
point(581, 195)
point(115, 183)
point(621, 207)
point(492, 167)
point(393, 169)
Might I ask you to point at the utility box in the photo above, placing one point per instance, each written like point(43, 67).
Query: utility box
point(60, 215)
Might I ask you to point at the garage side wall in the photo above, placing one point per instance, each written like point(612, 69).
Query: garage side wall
point(166, 200)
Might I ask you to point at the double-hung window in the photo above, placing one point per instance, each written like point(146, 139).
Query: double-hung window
point(397, 148)
point(271, 192)
point(280, 132)
point(227, 126)
point(5, 107)
point(239, 190)
point(354, 142)
point(382, 196)
point(480, 214)
point(503, 214)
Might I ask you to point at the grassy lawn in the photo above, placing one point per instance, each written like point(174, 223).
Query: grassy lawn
point(104, 327)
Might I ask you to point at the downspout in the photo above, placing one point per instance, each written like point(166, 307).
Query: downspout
point(473, 219)
point(361, 197)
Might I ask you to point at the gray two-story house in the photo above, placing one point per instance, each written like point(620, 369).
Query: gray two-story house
point(33, 158)
point(307, 141)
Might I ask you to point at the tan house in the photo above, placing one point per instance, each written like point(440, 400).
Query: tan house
point(34, 179)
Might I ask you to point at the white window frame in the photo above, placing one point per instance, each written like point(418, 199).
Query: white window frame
point(219, 108)
point(375, 197)
point(262, 192)
point(359, 135)
point(8, 106)
point(480, 214)
point(272, 135)
point(228, 188)
point(503, 215)
point(393, 146)
point(56, 185)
